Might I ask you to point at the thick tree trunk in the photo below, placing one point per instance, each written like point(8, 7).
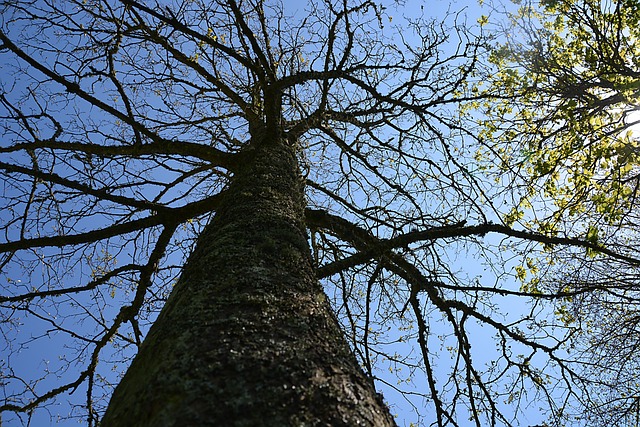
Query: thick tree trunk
point(247, 337)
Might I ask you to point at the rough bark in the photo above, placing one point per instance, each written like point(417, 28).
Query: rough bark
point(247, 337)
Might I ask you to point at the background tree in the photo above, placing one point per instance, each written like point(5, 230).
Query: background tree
point(243, 134)
point(571, 141)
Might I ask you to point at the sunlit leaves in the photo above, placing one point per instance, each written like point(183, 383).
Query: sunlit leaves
point(573, 67)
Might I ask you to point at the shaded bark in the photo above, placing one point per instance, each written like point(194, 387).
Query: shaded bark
point(247, 336)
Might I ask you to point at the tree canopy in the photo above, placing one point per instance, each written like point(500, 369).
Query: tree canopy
point(470, 191)
point(571, 140)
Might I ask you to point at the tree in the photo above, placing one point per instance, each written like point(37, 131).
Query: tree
point(272, 147)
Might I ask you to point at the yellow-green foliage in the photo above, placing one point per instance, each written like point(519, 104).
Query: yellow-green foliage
point(567, 74)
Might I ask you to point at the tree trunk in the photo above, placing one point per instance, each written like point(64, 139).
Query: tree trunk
point(247, 337)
